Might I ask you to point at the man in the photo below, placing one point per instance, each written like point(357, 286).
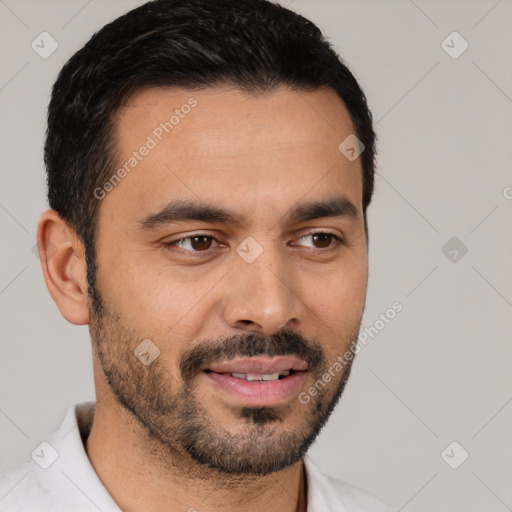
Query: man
point(209, 169)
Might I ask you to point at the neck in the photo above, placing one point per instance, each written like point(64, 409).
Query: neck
point(141, 474)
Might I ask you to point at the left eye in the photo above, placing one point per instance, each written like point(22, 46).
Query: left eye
point(322, 240)
point(198, 243)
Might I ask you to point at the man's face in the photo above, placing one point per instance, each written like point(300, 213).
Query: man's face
point(248, 307)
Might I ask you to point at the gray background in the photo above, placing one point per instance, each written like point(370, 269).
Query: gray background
point(440, 371)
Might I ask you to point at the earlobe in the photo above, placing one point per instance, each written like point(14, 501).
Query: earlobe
point(63, 262)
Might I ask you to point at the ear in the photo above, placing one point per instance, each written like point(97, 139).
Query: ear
point(62, 258)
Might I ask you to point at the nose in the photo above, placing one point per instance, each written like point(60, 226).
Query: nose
point(262, 296)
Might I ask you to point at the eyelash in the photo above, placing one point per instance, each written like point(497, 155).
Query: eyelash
point(336, 242)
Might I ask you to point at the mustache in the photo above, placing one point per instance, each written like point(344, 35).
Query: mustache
point(283, 343)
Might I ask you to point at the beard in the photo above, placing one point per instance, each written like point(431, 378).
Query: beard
point(264, 439)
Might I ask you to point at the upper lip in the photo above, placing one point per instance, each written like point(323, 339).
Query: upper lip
point(258, 365)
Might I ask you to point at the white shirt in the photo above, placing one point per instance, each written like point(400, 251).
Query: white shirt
point(60, 478)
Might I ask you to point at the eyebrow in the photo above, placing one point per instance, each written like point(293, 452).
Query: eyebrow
point(186, 210)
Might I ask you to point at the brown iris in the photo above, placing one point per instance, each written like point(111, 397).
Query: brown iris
point(201, 242)
point(324, 239)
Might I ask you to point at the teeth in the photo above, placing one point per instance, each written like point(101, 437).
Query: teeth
point(253, 376)
point(270, 376)
point(265, 376)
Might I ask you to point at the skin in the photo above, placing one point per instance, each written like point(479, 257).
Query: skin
point(259, 156)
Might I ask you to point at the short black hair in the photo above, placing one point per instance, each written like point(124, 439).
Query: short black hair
point(253, 45)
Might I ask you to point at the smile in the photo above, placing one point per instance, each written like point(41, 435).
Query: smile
point(266, 376)
point(257, 381)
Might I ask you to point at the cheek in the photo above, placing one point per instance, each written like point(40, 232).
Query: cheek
point(159, 302)
point(351, 292)
point(339, 299)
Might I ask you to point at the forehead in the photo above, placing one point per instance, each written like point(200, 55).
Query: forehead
point(232, 146)
point(221, 119)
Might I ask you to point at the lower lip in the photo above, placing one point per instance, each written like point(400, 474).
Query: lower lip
point(258, 393)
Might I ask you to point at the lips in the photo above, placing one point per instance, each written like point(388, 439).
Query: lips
point(258, 381)
point(259, 365)
point(256, 394)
